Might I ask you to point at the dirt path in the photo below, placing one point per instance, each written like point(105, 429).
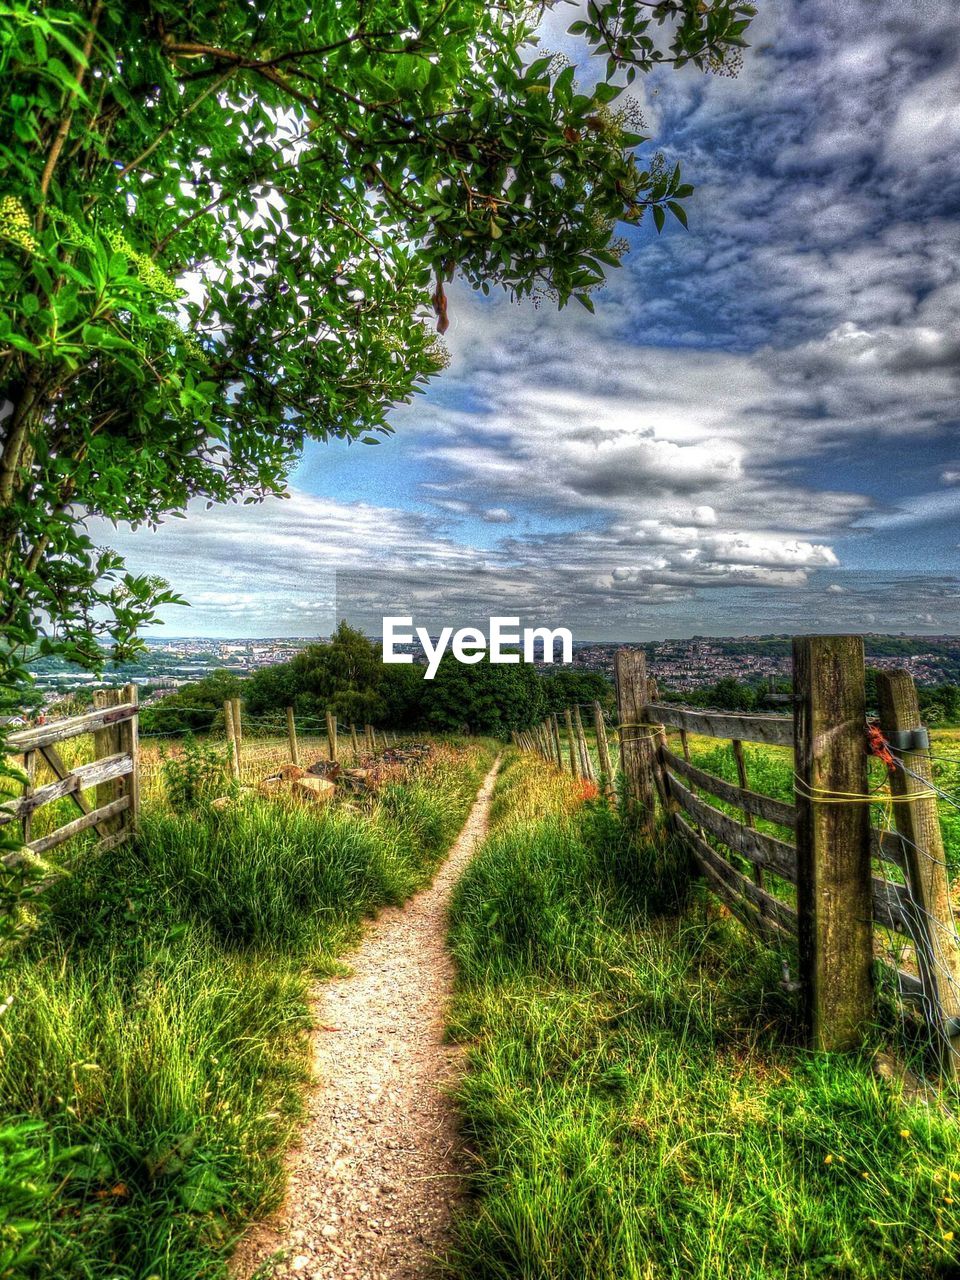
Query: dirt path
point(372, 1183)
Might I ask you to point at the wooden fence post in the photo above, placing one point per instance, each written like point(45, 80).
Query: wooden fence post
point(834, 900)
point(292, 737)
point(368, 734)
point(603, 752)
point(354, 742)
point(30, 769)
point(233, 753)
point(571, 743)
point(586, 764)
point(741, 763)
point(557, 754)
point(933, 926)
point(637, 755)
point(237, 721)
point(106, 742)
point(332, 736)
point(130, 745)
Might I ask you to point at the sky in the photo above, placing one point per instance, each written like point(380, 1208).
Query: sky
point(756, 432)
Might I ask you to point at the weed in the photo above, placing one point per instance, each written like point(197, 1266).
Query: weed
point(196, 773)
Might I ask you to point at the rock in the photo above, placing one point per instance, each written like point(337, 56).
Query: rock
point(300, 1262)
point(329, 769)
point(316, 790)
point(221, 803)
point(291, 772)
point(329, 1232)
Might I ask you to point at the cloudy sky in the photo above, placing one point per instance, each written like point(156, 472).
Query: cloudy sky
point(756, 432)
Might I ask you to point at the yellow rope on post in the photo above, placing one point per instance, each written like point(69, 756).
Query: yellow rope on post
point(651, 735)
point(821, 796)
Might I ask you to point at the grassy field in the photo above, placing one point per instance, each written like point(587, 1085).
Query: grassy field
point(154, 1051)
point(637, 1097)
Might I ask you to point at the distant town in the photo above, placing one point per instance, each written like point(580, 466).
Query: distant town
point(689, 664)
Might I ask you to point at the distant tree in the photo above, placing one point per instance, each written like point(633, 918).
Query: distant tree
point(404, 693)
point(346, 676)
point(563, 687)
point(941, 704)
point(197, 706)
point(730, 694)
point(485, 697)
point(18, 700)
point(726, 694)
point(271, 689)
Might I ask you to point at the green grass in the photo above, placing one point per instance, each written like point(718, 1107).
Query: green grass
point(637, 1096)
point(153, 1057)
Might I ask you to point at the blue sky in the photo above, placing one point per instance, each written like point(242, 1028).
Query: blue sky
point(757, 431)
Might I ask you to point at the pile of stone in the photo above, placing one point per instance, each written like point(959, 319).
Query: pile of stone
point(291, 780)
point(373, 768)
point(319, 782)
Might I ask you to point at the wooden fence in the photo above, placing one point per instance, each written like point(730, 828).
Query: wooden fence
point(119, 769)
point(814, 877)
point(112, 774)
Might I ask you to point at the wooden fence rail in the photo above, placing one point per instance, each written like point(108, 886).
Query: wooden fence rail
point(113, 773)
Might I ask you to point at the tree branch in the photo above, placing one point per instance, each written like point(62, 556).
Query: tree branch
point(64, 127)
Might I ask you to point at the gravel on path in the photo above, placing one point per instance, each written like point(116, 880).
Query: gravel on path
point(378, 1170)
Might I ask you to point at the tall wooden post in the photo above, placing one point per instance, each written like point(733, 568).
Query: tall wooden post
point(130, 745)
point(332, 735)
point(933, 926)
point(586, 764)
point(368, 734)
point(637, 755)
point(834, 899)
point(571, 743)
point(233, 753)
point(603, 751)
point(237, 721)
point(354, 742)
point(292, 737)
point(106, 742)
point(555, 740)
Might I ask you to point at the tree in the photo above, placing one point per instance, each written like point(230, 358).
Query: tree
point(563, 688)
point(941, 704)
point(483, 697)
point(197, 706)
point(224, 227)
point(346, 676)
